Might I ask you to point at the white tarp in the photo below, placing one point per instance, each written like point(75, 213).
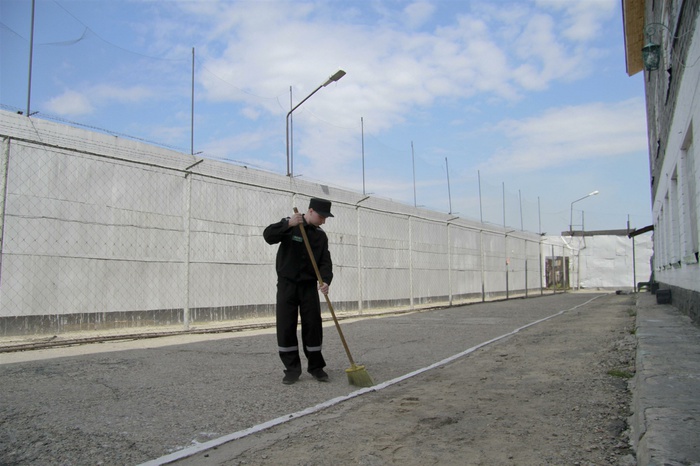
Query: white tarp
point(608, 261)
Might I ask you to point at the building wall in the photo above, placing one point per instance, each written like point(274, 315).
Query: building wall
point(673, 107)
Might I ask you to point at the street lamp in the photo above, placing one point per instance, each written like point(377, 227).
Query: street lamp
point(338, 74)
point(571, 217)
point(651, 52)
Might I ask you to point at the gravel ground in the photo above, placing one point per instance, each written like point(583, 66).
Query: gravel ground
point(553, 393)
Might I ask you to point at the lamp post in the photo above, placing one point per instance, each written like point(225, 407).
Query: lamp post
point(335, 77)
point(571, 216)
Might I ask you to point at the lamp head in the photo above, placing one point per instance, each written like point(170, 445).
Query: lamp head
point(651, 56)
point(338, 74)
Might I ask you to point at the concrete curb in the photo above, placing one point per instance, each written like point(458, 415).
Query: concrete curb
point(665, 424)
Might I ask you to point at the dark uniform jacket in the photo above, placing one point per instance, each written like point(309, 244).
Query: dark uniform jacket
point(292, 259)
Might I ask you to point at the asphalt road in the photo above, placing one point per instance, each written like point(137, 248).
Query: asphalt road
point(138, 401)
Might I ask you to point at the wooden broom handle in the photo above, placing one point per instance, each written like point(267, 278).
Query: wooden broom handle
point(320, 282)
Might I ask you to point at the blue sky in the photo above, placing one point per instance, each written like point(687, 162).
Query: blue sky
point(529, 96)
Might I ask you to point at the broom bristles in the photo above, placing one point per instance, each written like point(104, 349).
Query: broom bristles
point(358, 376)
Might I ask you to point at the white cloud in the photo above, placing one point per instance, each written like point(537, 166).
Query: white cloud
point(238, 146)
point(418, 13)
point(399, 66)
point(70, 103)
point(75, 103)
point(571, 134)
point(112, 93)
point(272, 50)
point(545, 56)
point(259, 51)
point(250, 113)
point(583, 19)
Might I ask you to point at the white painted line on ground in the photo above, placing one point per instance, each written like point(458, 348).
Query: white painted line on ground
point(199, 447)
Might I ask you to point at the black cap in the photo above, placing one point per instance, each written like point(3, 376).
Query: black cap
point(321, 206)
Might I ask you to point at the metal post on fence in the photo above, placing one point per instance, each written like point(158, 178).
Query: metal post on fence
point(31, 58)
point(552, 270)
point(360, 258)
point(449, 258)
point(362, 131)
point(187, 232)
point(187, 229)
point(449, 265)
point(520, 198)
point(3, 192)
point(481, 247)
point(505, 248)
point(539, 242)
point(539, 251)
point(634, 267)
point(634, 257)
point(526, 284)
point(410, 260)
point(192, 109)
point(507, 264)
point(186, 298)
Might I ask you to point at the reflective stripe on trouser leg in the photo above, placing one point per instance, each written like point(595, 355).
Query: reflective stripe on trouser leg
point(288, 349)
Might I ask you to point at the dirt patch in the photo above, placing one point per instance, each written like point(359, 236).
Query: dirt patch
point(555, 393)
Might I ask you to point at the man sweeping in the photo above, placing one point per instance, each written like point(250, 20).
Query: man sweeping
point(297, 288)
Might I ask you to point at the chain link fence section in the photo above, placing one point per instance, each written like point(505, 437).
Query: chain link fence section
point(88, 242)
point(105, 237)
point(466, 264)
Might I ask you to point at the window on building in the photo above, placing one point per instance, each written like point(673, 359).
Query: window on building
point(661, 236)
point(675, 220)
point(689, 187)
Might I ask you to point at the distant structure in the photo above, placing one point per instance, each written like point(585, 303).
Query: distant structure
point(601, 259)
point(662, 40)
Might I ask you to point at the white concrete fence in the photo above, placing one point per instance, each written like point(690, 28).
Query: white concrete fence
point(103, 233)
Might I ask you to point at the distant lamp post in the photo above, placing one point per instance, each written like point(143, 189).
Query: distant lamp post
point(338, 74)
point(571, 216)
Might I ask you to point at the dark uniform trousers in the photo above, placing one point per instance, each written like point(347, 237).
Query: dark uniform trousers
point(294, 299)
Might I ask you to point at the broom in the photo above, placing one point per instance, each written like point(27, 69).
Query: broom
point(357, 374)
